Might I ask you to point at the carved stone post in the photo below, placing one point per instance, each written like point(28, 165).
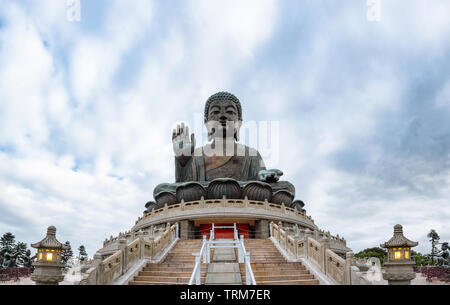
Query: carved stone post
point(316, 235)
point(280, 227)
point(151, 241)
point(122, 247)
point(325, 244)
point(295, 246)
point(97, 263)
point(285, 240)
point(308, 234)
point(348, 268)
point(140, 235)
point(296, 231)
point(152, 231)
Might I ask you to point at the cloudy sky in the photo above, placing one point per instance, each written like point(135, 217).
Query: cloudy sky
point(87, 108)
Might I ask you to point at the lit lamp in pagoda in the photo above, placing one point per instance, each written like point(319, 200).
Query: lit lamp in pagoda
point(48, 267)
point(399, 265)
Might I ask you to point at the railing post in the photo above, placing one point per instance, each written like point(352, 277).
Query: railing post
point(295, 245)
point(123, 247)
point(98, 266)
point(241, 253)
point(197, 271)
point(206, 254)
point(212, 232)
point(308, 234)
point(280, 227)
point(324, 245)
point(247, 271)
point(177, 234)
point(348, 268)
point(235, 232)
point(140, 235)
point(151, 241)
point(286, 240)
point(271, 229)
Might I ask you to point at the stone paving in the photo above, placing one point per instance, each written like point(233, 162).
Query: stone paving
point(419, 280)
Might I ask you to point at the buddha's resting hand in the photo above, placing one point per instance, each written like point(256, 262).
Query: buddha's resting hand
point(183, 145)
point(270, 176)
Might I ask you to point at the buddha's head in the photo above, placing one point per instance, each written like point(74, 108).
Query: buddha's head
point(223, 116)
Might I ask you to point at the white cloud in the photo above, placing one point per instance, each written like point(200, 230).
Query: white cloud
point(84, 114)
point(443, 97)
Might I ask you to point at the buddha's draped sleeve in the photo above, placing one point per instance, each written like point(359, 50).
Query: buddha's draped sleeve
point(185, 173)
point(193, 169)
point(256, 164)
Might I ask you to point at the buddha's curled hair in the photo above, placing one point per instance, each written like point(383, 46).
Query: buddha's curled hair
point(221, 96)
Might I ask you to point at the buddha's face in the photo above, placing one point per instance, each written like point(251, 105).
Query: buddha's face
point(223, 119)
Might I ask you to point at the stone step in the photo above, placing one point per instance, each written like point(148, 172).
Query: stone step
point(289, 282)
point(280, 268)
point(177, 269)
point(170, 266)
point(276, 265)
point(285, 272)
point(174, 264)
point(272, 278)
point(259, 260)
point(155, 283)
point(169, 273)
point(171, 279)
point(179, 261)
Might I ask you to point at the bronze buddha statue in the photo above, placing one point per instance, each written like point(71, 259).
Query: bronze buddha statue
point(223, 160)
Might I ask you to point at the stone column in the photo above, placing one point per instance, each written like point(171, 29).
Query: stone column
point(308, 234)
point(99, 270)
point(151, 241)
point(140, 235)
point(262, 229)
point(325, 244)
point(186, 228)
point(348, 268)
point(122, 247)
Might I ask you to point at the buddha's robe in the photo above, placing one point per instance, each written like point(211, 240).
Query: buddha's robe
point(243, 167)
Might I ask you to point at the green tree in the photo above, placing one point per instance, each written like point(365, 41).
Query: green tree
point(7, 241)
point(20, 250)
point(66, 255)
point(380, 253)
point(7, 244)
point(434, 238)
point(421, 259)
point(82, 253)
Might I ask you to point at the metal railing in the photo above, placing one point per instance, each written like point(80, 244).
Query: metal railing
point(212, 243)
point(249, 276)
point(204, 252)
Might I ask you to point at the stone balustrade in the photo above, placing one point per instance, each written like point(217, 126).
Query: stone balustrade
point(106, 271)
point(224, 207)
point(319, 252)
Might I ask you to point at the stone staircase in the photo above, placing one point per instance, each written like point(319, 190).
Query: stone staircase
point(270, 268)
point(176, 269)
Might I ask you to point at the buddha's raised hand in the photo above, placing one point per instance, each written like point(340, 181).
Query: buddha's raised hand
point(183, 144)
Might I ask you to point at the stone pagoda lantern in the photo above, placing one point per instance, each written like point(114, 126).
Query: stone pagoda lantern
point(399, 264)
point(48, 267)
